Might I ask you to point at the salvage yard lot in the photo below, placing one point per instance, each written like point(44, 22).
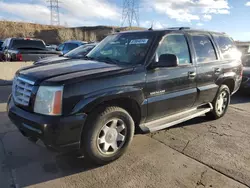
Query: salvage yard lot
point(198, 153)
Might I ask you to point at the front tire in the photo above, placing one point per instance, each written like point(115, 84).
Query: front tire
point(107, 134)
point(220, 103)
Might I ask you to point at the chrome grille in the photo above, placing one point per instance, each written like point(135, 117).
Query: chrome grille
point(21, 90)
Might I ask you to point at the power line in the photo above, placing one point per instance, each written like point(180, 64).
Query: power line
point(130, 13)
point(54, 12)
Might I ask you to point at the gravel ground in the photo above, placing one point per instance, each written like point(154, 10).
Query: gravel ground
point(198, 153)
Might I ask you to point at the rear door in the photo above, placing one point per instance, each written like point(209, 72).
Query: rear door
point(171, 90)
point(208, 66)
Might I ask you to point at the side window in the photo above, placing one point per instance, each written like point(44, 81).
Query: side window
point(204, 49)
point(60, 47)
point(70, 46)
point(5, 44)
point(226, 45)
point(175, 44)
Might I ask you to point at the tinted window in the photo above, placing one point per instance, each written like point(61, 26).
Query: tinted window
point(227, 46)
point(204, 49)
point(70, 46)
point(175, 44)
point(22, 43)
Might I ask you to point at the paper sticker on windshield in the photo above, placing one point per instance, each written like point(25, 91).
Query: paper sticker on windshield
point(139, 41)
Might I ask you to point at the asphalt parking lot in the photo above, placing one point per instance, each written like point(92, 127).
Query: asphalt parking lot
point(198, 153)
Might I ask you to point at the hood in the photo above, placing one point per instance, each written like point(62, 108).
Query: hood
point(53, 59)
point(66, 69)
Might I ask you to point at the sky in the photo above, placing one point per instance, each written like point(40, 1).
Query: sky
point(230, 16)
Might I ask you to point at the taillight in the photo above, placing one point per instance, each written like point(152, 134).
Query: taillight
point(19, 57)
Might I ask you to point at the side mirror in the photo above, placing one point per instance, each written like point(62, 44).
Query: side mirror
point(168, 60)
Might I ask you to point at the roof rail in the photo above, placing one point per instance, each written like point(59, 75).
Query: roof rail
point(179, 28)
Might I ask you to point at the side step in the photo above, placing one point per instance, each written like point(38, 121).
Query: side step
point(175, 119)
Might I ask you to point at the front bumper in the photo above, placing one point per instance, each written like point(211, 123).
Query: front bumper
point(60, 133)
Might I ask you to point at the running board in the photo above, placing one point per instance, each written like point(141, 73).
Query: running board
point(175, 119)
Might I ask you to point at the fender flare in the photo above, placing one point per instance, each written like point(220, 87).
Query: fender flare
point(92, 100)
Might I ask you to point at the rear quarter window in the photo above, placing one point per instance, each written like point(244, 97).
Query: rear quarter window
point(204, 49)
point(227, 47)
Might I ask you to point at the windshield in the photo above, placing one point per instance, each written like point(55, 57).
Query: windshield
point(27, 44)
point(80, 51)
point(123, 48)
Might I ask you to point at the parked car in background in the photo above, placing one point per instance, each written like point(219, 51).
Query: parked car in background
point(77, 53)
point(51, 47)
point(69, 45)
point(1, 52)
point(244, 47)
point(25, 49)
point(1, 42)
point(140, 80)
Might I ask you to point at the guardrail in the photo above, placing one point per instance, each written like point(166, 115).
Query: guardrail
point(8, 70)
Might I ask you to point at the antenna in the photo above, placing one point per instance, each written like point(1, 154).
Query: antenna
point(130, 13)
point(54, 12)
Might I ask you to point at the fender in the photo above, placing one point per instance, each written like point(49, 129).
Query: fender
point(92, 100)
point(226, 76)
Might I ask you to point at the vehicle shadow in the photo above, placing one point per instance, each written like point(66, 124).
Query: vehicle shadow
point(240, 97)
point(34, 170)
point(5, 90)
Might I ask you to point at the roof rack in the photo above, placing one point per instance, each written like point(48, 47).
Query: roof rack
point(179, 28)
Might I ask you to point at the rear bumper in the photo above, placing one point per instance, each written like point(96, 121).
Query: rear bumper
point(237, 86)
point(245, 84)
point(60, 133)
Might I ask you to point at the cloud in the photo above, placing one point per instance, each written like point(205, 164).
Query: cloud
point(91, 9)
point(189, 10)
point(199, 24)
point(74, 13)
point(207, 17)
point(247, 4)
point(156, 25)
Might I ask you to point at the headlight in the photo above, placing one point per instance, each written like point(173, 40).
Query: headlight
point(49, 100)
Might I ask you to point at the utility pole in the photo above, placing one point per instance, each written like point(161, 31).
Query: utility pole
point(130, 13)
point(54, 12)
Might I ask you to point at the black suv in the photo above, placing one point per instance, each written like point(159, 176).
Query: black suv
point(132, 81)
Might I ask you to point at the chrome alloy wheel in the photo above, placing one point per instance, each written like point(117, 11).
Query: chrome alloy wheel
point(112, 136)
point(222, 102)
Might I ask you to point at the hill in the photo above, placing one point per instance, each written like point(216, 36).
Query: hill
point(55, 34)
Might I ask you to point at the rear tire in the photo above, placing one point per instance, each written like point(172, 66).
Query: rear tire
point(220, 103)
point(107, 134)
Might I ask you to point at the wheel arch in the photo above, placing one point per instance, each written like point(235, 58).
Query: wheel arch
point(132, 101)
point(230, 83)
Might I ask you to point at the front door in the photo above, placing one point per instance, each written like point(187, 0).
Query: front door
point(171, 90)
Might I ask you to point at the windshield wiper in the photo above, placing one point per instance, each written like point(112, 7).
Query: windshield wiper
point(108, 60)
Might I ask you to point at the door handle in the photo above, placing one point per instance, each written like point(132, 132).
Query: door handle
point(217, 70)
point(191, 75)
